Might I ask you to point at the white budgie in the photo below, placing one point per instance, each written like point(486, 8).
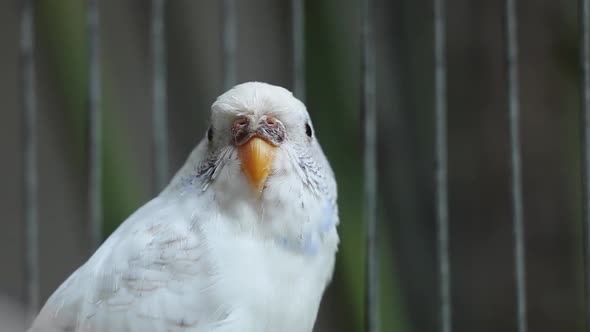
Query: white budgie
point(242, 239)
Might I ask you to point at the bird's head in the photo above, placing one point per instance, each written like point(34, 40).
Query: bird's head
point(266, 125)
point(260, 158)
point(261, 135)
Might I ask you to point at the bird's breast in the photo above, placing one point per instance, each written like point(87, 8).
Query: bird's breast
point(268, 287)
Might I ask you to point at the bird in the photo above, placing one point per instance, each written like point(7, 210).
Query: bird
point(243, 238)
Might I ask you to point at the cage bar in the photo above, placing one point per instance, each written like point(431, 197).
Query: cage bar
point(95, 125)
point(369, 112)
point(298, 16)
point(159, 118)
point(229, 44)
point(30, 142)
point(441, 165)
point(584, 12)
point(515, 158)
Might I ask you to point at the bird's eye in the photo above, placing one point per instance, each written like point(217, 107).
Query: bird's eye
point(210, 133)
point(308, 130)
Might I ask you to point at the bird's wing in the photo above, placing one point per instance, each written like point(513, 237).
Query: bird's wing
point(150, 275)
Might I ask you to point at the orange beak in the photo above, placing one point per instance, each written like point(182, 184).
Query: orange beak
point(257, 156)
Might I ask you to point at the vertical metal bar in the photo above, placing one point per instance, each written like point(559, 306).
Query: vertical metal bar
point(30, 179)
point(298, 12)
point(584, 10)
point(441, 164)
point(229, 43)
point(95, 124)
point(160, 134)
point(514, 123)
point(369, 112)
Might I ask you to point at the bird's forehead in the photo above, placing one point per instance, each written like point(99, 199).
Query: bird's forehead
point(258, 99)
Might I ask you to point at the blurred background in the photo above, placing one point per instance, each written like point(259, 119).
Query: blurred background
point(483, 287)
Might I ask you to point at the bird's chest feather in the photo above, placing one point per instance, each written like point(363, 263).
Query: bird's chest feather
point(272, 282)
point(270, 289)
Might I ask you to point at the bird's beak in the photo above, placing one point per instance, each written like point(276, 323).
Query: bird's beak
point(257, 156)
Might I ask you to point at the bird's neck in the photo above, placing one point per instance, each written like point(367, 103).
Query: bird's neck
point(286, 212)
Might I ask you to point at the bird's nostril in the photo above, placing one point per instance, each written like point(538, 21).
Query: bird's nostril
point(242, 121)
point(270, 120)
